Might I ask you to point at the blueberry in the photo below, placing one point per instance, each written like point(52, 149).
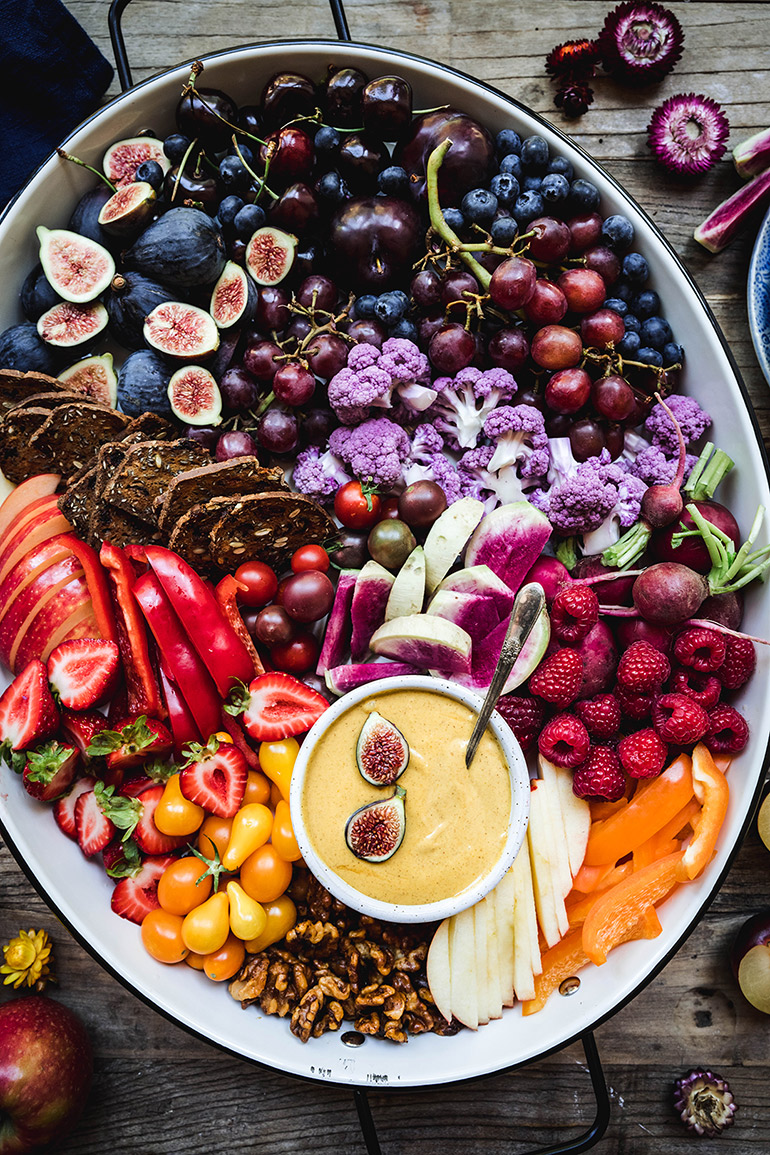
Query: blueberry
point(635, 268)
point(394, 181)
point(505, 187)
point(454, 218)
point(331, 187)
point(512, 164)
point(646, 304)
point(247, 220)
point(618, 232)
point(583, 197)
point(629, 345)
point(528, 206)
point(656, 332)
point(233, 173)
point(365, 305)
point(617, 305)
point(405, 329)
point(479, 206)
point(632, 323)
point(175, 146)
point(390, 307)
point(327, 140)
point(561, 166)
point(535, 154)
point(623, 290)
point(507, 142)
point(504, 231)
point(151, 172)
point(650, 356)
point(554, 188)
point(244, 152)
point(531, 183)
point(229, 207)
point(673, 354)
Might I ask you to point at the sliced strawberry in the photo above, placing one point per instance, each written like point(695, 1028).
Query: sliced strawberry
point(122, 858)
point(50, 770)
point(215, 777)
point(80, 728)
point(136, 784)
point(149, 839)
point(133, 743)
point(133, 898)
point(84, 672)
point(279, 705)
point(28, 713)
point(93, 828)
point(119, 812)
point(64, 808)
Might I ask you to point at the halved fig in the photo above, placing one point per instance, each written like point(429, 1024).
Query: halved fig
point(374, 832)
point(195, 396)
point(77, 268)
point(182, 331)
point(382, 751)
point(122, 159)
point(95, 377)
point(234, 297)
point(129, 209)
point(270, 255)
point(68, 324)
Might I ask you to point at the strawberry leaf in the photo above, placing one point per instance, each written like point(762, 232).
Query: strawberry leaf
point(133, 737)
point(238, 699)
point(159, 771)
point(124, 813)
point(130, 864)
point(195, 752)
point(16, 759)
point(45, 763)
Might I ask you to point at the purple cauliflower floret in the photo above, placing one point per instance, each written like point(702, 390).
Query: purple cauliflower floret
point(353, 392)
point(373, 375)
point(375, 451)
point(585, 495)
point(625, 513)
point(654, 466)
point(426, 440)
point(518, 432)
point(436, 467)
point(409, 370)
point(317, 474)
point(692, 420)
point(362, 356)
point(465, 401)
point(493, 487)
point(337, 439)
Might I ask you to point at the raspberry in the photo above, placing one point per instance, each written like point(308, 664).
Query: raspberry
point(702, 649)
point(702, 688)
point(525, 716)
point(557, 680)
point(679, 719)
point(739, 664)
point(574, 613)
point(643, 754)
point(600, 776)
point(635, 706)
point(728, 730)
point(643, 669)
point(564, 741)
point(601, 716)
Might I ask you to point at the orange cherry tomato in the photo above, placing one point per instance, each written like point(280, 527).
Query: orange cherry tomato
point(258, 787)
point(264, 874)
point(181, 887)
point(214, 835)
point(222, 964)
point(196, 961)
point(175, 814)
point(281, 917)
point(205, 929)
point(162, 936)
point(283, 834)
point(251, 828)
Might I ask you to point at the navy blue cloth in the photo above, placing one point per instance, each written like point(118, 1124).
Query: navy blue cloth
point(52, 76)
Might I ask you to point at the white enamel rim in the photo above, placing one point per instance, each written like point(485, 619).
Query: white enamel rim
point(517, 826)
point(79, 891)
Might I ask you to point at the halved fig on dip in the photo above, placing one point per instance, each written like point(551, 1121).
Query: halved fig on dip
point(382, 752)
point(375, 831)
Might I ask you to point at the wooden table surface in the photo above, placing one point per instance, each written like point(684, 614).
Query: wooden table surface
point(159, 1092)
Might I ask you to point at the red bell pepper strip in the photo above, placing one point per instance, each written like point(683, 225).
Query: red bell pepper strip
point(224, 654)
point(96, 582)
point(143, 694)
point(181, 659)
point(183, 724)
point(236, 732)
point(226, 592)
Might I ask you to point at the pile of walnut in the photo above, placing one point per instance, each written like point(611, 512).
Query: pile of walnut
point(337, 965)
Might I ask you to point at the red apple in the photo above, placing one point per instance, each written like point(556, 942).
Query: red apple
point(38, 634)
point(81, 623)
point(46, 1066)
point(28, 568)
point(39, 522)
point(31, 600)
point(39, 485)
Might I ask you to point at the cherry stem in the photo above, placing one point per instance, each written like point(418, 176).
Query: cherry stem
point(75, 160)
point(181, 168)
point(259, 179)
point(438, 222)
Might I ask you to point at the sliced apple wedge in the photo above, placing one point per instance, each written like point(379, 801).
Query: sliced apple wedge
point(549, 784)
point(484, 994)
point(548, 883)
point(408, 590)
point(437, 969)
point(462, 969)
point(526, 948)
point(447, 538)
point(496, 999)
point(504, 896)
point(576, 813)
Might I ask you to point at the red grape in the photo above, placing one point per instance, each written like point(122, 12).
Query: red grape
point(278, 431)
point(259, 358)
point(547, 305)
point(584, 289)
point(556, 347)
point(602, 328)
point(368, 331)
point(585, 231)
point(293, 384)
point(451, 349)
point(426, 288)
point(239, 389)
point(513, 283)
point(317, 292)
point(568, 390)
point(613, 397)
point(235, 443)
point(327, 354)
point(454, 286)
point(586, 438)
point(603, 261)
point(509, 348)
point(272, 309)
point(551, 241)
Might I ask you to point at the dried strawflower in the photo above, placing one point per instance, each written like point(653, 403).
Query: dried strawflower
point(688, 133)
point(574, 58)
point(640, 42)
point(27, 960)
point(705, 1102)
point(574, 97)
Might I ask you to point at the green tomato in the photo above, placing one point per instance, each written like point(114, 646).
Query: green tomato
point(390, 542)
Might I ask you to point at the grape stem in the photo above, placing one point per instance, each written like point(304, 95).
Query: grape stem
point(435, 161)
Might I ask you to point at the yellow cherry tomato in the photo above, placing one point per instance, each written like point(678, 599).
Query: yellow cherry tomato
point(247, 916)
point(222, 964)
point(175, 814)
point(214, 835)
point(222, 736)
point(283, 834)
point(205, 929)
point(196, 961)
point(264, 874)
point(162, 936)
point(181, 887)
point(251, 828)
point(275, 795)
point(258, 788)
point(277, 761)
point(281, 917)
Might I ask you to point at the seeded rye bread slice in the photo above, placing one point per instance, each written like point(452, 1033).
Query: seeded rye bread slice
point(73, 433)
point(266, 527)
point(152, 427)
point(77, 502)
point(147, 470)
point(51, 401)
point(16, 386)
point(19, 459)
point(232, 478)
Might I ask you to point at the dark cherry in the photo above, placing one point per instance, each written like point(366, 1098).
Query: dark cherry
point(286, 96)
point(509, 349)
point(272, 308)
point(291, 154)
point(360, 158)
point(367, 331)
point(297, 209)
point(201, 116)
point(250, 119)
point(387, 106)
point(467, 165)
point(191, 187)
point(236, 250)
point(344, 97)
point(259, 358)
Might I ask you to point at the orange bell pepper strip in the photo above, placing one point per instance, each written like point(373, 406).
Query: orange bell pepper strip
point(713, 793)
point(620, 908)
point(591, 878)
point(578, 905)
point(600, 809)
point(653, 849)
point(653, 805)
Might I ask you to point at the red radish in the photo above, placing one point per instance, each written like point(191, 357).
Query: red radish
point(551, 574)
point(691, 551)
point(600, 659)
point(609, 592)
point(630, 630)
point(663, 504)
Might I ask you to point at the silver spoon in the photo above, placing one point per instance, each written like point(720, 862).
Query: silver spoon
point(526, 610)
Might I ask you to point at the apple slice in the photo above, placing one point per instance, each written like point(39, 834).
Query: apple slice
point(562, 873)
point(484, 994)
point(576, 813)
point(39, 485)
point(548, 882)
point(437, 969)
point(462, 968)
point(57, 604)
point(504, 896)
point(28, 568)
point(34, 596)
point(408, 590)
point(39, 522)
point(425, 642)
point(526, 947)
point(81, 623)
point(494, 979)
point(447, 538)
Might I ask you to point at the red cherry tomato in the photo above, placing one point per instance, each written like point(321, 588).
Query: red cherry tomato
point(260, 581)
point(310, 557)
point(297, 656)
point(356, 509)
point(389, 509)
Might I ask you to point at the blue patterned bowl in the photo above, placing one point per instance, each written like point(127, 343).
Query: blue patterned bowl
point(759, 297)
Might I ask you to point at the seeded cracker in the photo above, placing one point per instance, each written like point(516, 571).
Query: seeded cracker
point(145, 473)
point(73, 432)
point(267, 527)
point(19, 459)
point(233, 478)
point(78, 501)
point(16, 386)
